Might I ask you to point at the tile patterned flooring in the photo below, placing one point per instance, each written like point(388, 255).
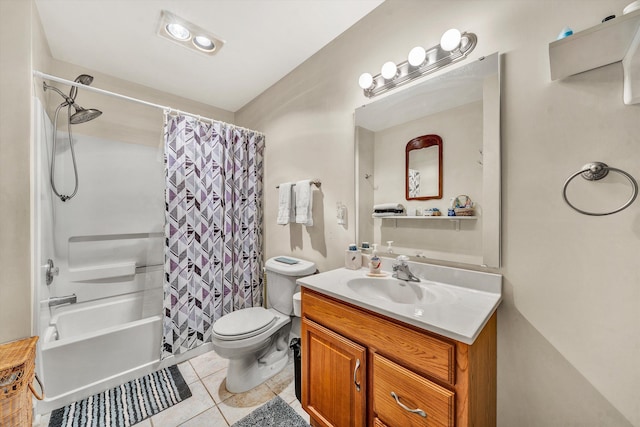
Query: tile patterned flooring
point(211, 405)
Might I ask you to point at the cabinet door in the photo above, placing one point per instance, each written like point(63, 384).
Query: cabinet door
point(333, 377)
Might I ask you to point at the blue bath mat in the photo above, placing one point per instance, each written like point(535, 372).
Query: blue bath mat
point(274, 413)
point(127, 404)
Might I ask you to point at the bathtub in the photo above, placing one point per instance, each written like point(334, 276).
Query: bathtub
point(93, 346)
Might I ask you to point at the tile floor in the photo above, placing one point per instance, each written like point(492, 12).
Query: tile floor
point(211, 405)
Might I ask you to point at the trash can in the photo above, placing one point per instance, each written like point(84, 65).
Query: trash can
point(295, 346)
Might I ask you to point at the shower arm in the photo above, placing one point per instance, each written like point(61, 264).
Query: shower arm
point(68, 101)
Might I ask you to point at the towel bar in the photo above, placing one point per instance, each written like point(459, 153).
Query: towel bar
point(315, 182)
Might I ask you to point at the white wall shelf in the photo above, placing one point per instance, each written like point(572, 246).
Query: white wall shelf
point(456, 219)
point(603, 44)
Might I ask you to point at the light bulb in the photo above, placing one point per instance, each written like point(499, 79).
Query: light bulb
point(389, 70)
point(204, 43)
point(178, 31)
point(365, 81)
point(450, 39)
point(417, 55)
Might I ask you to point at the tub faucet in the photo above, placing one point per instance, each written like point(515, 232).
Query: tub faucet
point(401, 270)
point(69, 299)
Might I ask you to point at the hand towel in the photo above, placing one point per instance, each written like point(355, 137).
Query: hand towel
point(285, 204)
point(388, 206)
point(304, 202)
point(387, 214)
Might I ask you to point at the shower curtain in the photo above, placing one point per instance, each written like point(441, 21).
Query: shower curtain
point(213, 230)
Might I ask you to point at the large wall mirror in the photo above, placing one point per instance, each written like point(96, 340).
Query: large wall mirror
point(462, 108)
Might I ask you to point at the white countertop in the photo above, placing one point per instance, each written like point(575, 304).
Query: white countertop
point(465, 299)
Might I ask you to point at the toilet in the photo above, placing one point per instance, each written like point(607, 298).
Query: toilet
point(256, 339)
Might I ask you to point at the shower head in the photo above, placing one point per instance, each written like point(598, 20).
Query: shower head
point(83, 115)
point(85, 79)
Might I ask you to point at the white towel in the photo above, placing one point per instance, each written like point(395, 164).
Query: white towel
point(387, 206)
point(304, 202)
point(285, 204)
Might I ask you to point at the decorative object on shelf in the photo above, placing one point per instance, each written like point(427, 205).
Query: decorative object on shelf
point(454, 46)
point(565, 32)
point(595, 171)
point(463, 206)
point(432, 212)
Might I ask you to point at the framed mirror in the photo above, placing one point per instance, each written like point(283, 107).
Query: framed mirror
point(462, 107)
point(423, 168)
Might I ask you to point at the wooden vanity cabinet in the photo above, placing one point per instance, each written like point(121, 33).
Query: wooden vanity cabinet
point(354, 359)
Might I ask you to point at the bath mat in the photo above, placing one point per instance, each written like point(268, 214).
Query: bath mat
point(274, 413)
point(127, 404)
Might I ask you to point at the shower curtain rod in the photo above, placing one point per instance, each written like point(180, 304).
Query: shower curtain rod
point(129, 98)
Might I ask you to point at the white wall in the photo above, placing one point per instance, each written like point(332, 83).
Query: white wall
point(15, 117)
point(568, 341)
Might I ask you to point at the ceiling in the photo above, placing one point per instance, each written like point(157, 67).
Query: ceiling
point(265, 40)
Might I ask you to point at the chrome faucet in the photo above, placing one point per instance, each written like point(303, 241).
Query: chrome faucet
point(69, 299)
point(401, 270)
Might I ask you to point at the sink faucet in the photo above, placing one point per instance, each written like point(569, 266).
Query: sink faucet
point(401, 270)
point(69, 299)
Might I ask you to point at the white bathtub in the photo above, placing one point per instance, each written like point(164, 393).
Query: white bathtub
point(90, 347)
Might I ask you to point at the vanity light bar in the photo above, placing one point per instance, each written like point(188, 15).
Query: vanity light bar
point(454, 46)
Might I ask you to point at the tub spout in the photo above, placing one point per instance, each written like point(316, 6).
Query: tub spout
point(69, 299)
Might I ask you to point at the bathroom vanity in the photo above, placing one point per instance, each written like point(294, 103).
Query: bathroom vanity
point(366, 363)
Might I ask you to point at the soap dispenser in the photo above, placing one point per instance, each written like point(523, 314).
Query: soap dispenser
point(375, 263)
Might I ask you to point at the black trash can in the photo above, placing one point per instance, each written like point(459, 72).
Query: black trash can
point(297, 360)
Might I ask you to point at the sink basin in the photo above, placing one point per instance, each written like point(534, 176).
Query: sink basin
point(389, 289)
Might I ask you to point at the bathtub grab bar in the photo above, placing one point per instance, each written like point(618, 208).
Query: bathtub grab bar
point(68, 299)
point(149, 267)
point(102, 272)
point(128, 269)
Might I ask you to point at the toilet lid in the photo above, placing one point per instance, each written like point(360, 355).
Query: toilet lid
point(244, 323)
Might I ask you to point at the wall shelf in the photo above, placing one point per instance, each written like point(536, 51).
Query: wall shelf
point(456, 219)
point(603, 44)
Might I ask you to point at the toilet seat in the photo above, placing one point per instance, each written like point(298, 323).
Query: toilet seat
point(244, 323)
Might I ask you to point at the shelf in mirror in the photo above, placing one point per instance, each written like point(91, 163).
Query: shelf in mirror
point(455, 219)
point(450, 218)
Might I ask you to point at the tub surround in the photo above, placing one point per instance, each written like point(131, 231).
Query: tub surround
point(464, 300)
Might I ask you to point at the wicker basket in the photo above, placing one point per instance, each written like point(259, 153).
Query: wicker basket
point(17, 366)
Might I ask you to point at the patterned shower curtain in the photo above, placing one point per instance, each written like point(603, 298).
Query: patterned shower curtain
point(213, 230)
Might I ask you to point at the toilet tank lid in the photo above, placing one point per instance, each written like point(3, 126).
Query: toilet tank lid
point(290, 266)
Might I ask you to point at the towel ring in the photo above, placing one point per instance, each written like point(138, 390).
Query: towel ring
point(596, 171)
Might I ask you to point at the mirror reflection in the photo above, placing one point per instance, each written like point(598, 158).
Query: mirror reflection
point(462, 108)
point(423, 172)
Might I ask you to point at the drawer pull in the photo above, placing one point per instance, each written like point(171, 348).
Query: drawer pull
point(406, 408)
point(355, 374)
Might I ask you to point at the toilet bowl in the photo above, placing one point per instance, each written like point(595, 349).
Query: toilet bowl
point(256, 339)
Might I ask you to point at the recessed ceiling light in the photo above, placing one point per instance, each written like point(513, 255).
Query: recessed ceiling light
point(204, 43)
point(178, 31)
point(183, 32)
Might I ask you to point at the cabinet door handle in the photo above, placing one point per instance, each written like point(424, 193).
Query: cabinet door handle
point(406, 408)
point(355, 374)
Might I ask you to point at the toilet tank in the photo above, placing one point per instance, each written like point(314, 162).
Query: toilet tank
point(282, 273)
